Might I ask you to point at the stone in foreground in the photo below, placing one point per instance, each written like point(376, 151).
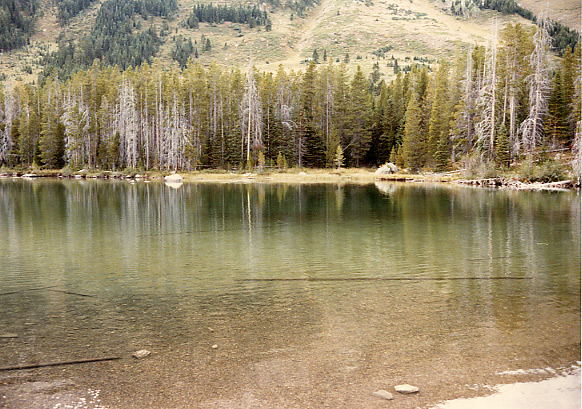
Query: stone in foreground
point(383, 394)
point(406, 389)
point(142, 353)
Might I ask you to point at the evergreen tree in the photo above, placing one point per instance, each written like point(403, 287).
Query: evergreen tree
point(52, 138)
point(502, 147)
point(438, 126)
point(556, 124)
point(412, 150)
point(442, 154)
point(358, 116)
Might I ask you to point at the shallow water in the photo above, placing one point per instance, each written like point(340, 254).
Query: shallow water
point(315, 296)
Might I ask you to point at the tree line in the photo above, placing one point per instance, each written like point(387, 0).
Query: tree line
point(562, 37)
point(67, 9)
point(496, 104)
point(208, 13)
point(115, 39)
point(17, 20)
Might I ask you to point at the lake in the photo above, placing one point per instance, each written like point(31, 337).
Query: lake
point(281, 296)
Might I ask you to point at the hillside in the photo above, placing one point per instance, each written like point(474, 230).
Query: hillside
point(363, 32)
point(567, 12)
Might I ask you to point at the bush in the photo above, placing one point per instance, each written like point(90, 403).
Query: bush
point(475, 168)
point(549, 171)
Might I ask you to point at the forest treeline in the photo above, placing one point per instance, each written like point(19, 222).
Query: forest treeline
point(115, 39)
point(562, 36)
point(16, 23)
point(208, 13)
point(494, 104)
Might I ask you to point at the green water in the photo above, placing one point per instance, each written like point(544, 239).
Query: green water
point(314, 295)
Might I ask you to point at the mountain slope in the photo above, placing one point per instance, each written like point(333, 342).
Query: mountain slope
point(365, 32)
point(567, 12)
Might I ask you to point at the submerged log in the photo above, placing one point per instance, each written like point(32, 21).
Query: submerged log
point(387, 279)
point(28, 289)
point(71, 293)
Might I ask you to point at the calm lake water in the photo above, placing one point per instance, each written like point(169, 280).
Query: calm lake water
point(281, 296)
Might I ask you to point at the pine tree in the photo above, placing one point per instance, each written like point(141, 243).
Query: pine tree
point(556, 124)
point(442, 154)
point(502, 147)
point(358, 116)
point(439, 116)
point(52, 138)
point(412, 149)
point(568, 70)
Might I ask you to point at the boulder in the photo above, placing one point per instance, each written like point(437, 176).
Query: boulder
point(174, 181)
point(406, 389)
point(387, 169)
point(175, 178)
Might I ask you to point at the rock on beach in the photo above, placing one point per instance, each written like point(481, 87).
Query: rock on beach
point(406, 389)
point(382, 394)
point(142, 353)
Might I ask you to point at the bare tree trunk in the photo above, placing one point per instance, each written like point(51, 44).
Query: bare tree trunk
point(539, 84)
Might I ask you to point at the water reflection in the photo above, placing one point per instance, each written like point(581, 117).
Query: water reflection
point(179, 270)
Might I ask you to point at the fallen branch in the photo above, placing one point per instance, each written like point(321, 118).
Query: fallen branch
point(74, 362)
point(388, 279)
point(72, 293)
point(28, 289)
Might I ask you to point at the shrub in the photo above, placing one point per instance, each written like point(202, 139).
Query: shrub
point(475, 168)
point(548, 171)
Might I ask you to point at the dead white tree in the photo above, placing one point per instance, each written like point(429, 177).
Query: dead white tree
point(488, 100)
point(7, 114)
point(75, 118)
point(577, 146)
point(127, 124)
point(539, 87)
point(251, 116)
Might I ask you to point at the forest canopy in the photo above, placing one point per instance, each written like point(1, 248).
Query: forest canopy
point(496, 104)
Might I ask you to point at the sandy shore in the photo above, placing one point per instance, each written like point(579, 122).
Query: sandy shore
point(562, 392)
point(361, 176)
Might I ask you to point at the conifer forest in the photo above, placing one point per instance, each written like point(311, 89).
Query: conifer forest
point(501, 103)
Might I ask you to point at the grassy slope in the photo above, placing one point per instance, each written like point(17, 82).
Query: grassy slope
point(412, 27)
point(567, 12)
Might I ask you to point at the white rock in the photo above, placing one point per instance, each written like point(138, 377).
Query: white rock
point(142, 353)
point(302, 173)
point(214, 346)
point(383, 394)
point(406, 389)
point(175, 178)
point(387, 169)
